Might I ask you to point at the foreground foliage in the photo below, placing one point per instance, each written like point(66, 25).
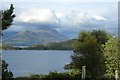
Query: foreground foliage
point(88, 52)
point(6, 74)
point(7, 19)
point(112, 56)
point(73, 74)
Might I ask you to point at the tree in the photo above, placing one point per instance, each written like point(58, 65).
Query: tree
point(7, 19)
point(6, 75)
point(88, 52)
point(112, 56)
point(101, 36)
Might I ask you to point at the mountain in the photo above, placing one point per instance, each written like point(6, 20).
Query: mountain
point(30, 37)
point(7, 34)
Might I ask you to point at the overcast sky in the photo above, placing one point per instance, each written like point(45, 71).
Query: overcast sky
point(63, 16)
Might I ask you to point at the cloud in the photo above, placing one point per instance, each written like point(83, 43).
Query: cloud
point(99, 18)
point(69, 24)
point(43, 17)
point(78, 19)
point(74, 19)
point(38, 15)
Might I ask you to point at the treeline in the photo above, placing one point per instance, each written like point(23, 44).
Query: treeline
point(9, 47)
point(66, 45)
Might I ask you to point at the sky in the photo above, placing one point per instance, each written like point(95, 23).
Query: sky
point(68, 17)
point(60, 0)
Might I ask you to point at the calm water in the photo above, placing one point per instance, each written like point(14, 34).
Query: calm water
point(26, 62)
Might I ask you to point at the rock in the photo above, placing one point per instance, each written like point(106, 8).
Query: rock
point(68, 66)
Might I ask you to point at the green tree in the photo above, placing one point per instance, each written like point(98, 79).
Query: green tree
point(7, 19)
point(112, 56)
point(6, 75)
point(88, 52)
point(101, 36)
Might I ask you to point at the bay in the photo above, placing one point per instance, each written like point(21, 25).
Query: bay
point(26, 62)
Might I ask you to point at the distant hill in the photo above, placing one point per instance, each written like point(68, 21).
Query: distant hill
point(8, 47)
point(7, 34)
point(65, 45)
point(30, 37)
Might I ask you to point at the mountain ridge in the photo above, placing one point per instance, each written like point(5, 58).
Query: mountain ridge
point(30, 37)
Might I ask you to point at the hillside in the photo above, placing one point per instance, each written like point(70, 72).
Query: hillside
point(30, 37)
point(65, 45)
point(8, 47)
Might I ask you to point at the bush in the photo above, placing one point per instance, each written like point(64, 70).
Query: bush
point(72, 74)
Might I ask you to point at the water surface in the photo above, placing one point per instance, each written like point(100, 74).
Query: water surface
point(26, 62)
